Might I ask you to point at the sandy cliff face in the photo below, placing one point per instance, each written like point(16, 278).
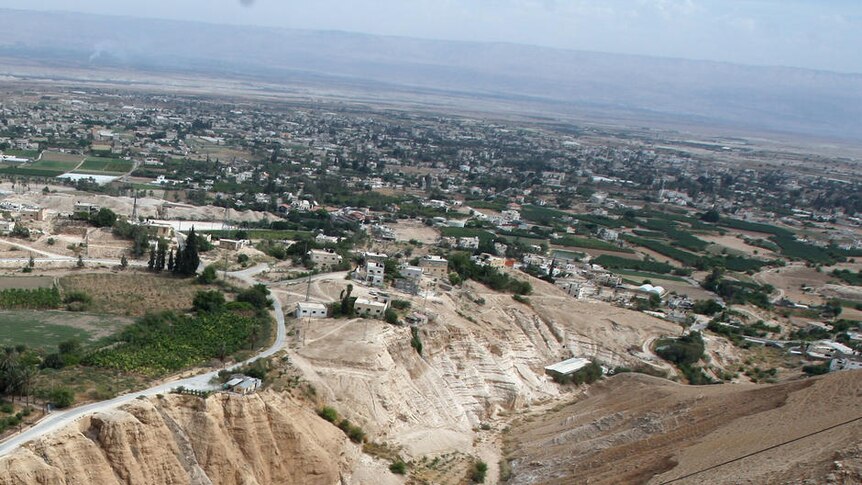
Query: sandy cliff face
point(224, 440)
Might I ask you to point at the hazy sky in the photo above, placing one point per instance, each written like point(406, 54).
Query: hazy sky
point(819, 34)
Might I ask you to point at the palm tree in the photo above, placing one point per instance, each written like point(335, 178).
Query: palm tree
point(8, 370)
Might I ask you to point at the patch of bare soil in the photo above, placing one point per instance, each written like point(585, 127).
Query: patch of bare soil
point(734, 242)
point(793, 278)
point(415, 230)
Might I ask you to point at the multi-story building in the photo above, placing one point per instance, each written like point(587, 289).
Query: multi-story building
point(434, 266)
point(324, 259)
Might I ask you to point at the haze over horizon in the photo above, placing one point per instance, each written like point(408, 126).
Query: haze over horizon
point(793, 33)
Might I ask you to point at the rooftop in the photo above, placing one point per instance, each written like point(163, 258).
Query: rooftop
point(568, 366)
point(308, 305)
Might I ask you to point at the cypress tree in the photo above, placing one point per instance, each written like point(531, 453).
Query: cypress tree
point(160, 255)
point(171, 260)
point(151, 264)
point(191, 258)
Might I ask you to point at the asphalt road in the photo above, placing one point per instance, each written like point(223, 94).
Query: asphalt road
point(60, 419)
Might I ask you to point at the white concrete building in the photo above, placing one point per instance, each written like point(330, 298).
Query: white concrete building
point(307, 309)
point(370, 308)
point(374, 273)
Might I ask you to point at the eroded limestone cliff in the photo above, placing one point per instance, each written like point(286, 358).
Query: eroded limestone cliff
point(223, 440)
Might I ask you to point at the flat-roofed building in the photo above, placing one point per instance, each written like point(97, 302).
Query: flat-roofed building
point(323, 258)
point(31, 215)
point(434, 266)
point(307, 309)
point(374, 273)
point(86, 208)
point(160, 229)
point(379, 257)
point(370, 308)
point(232, 244)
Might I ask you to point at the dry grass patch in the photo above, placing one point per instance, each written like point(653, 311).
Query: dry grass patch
point(133, 293)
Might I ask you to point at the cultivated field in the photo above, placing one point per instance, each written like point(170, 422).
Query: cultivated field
point(99, 165)
point(133, 293)
point(28, 170)
point(56, 161)
point(46, 329)
point(61, 157)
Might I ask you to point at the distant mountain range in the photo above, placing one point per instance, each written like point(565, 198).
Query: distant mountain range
point(559, 82)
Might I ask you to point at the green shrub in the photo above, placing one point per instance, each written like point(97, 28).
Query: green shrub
point(390, 316)
point(416, 341)
point(328, 413)
point(208, 301)
point(398, 467)
point(401, 304)
point(257, 296)
point(480, 469)
point(77, 301)
point(816, 370)
point(62, 397)
point(685, 350)
point(707, 307)
point(356, 434)
point(208, 276)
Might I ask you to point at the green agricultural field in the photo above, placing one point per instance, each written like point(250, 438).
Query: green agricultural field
point(28, 171)
point(543, 215)
point(560, 254)
point(580, 242)
point(100, 165)
point(31, 154)
point(46, 329)
point(52, 165)
point(486, 204)
point(525, 240)
point(616, 262)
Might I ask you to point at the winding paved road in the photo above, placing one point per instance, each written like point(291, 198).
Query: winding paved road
point(60, 419)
